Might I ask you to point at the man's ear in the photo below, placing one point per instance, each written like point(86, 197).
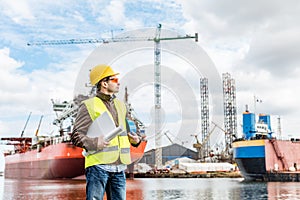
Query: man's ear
point(104, 84)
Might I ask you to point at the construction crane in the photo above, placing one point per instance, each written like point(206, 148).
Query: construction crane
point(201, 146)
point(226, 155)
point(157, 72)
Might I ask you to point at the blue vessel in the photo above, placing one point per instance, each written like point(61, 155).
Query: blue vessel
point(260, 156)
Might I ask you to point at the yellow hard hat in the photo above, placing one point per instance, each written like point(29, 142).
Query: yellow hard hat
point(99, 72)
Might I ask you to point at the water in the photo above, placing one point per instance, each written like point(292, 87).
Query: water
point(150, 189)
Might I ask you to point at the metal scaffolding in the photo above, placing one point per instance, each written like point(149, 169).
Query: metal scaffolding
point(204, 117)
point(230, 111)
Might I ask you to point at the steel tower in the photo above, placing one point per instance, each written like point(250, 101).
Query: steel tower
point(230, 111)
point(204, 117)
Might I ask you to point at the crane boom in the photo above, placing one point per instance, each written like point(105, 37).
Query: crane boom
point(22, 133)
point(165, 133)
point(39, 125)
point(106, 40)
point(87, 41)
point(201, 146)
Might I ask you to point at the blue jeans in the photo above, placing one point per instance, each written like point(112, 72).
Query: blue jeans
point(99, 181)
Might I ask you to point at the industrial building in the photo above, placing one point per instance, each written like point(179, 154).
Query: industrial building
point(169, 153)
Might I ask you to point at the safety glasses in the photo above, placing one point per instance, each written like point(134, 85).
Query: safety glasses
point(114, 80)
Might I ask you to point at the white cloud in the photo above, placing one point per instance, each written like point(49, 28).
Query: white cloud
point(18, 11)
point(10, 76)
point(259, 47)
point(7, 62)
point(23, 92)
point(116, 12)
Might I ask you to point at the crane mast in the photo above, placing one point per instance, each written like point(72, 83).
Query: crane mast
point(157, 72)
point(157, 97)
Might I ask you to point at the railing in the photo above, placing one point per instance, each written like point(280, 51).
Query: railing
point(279, 155)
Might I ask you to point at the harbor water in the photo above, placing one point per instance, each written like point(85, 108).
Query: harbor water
point(155, 188)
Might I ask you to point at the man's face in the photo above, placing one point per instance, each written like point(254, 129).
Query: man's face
point(113, 84)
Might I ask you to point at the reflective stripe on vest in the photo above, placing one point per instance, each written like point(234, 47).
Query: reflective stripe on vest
point(119, 147)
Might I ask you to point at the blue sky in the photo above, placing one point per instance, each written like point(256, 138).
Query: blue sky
point(259, 47)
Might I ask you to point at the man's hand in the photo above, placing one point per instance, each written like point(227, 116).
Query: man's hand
point(134, 138)
point(101, 143)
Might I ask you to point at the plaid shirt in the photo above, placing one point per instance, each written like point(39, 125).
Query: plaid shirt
point(113, 168)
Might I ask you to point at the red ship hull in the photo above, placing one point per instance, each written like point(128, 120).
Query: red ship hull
point(56, 161)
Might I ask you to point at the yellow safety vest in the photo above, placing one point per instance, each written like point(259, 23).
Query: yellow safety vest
point(119, 147)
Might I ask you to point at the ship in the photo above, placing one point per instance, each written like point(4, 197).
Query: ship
point(262, 157)
point(55, 157)
point(43, 158)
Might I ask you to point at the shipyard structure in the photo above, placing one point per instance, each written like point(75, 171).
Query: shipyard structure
point(203, 158)
point(229, 131)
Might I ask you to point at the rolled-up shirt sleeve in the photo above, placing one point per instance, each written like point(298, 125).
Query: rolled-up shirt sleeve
point(79, 134)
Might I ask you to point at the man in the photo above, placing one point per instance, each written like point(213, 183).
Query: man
point(104, 170)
